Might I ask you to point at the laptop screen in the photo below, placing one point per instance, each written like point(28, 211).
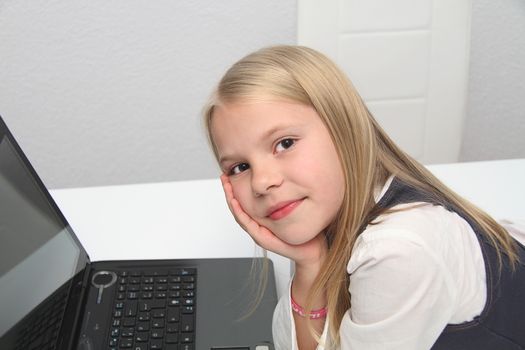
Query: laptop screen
point(37, 252)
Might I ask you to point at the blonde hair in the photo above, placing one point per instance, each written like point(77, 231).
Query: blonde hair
point(368, 156)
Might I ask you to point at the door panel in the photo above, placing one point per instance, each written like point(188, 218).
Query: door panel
point(407, 58)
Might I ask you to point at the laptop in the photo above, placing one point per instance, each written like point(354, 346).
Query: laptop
point(53, 297)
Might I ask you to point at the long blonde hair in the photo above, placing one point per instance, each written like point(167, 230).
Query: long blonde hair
point(368, 156)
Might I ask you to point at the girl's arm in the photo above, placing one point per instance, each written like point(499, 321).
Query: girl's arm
point(403, 294)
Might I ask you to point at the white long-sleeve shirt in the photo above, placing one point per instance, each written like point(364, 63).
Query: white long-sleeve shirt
point(410, 275)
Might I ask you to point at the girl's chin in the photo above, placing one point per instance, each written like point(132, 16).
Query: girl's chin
point(296, 240)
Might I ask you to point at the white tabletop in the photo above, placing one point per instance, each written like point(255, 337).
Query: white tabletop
point(190, 219)
point(497, 187)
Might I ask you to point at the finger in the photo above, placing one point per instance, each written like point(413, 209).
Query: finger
point(245, 220)
point(242, 218)
point(228, 190)
point(260, 234)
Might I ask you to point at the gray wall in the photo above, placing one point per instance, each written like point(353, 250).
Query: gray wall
point(495, 124)
point(109, 92)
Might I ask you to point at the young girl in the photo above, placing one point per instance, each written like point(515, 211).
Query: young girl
point(386, 256)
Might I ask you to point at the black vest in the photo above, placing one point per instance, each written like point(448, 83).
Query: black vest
point(501, 324)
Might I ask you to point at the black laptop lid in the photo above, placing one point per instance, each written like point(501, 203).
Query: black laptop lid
point(39, 254)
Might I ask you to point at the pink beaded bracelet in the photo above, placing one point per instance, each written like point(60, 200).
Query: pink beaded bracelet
point(314, 314)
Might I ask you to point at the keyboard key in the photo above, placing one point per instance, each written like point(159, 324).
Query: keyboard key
point(130, 309)
point(157, 324)
point(172, 347)
point(158, 304)
point(146, 295)
point(155, 344)
point(172, 338)
point(115, 332)
point(187, 338)
point(176, 294)
point(148, 280)
point(175, 287)
point(113, 342)
point(128, 322)
point(156, 334)
point(126, 343)
point(188, 271)
point(133, 288)
point(158, 313)
point(187, 310)
point(144, 316)
point(188, 279)
point(172, 328)
point(144, 305)
point(188, 286)
point(142, 327)
point(187, 322)
point(173, 314)
point(174, 302)
point(161, 295)
point(127, 332)
point(156, 273)
point(142, 337)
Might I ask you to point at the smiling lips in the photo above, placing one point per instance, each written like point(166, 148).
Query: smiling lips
point(282, 209)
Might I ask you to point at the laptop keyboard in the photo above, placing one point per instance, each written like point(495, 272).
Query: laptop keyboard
point(41, 330)
point(154, 310)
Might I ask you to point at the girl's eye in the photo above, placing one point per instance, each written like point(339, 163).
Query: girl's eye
point(284, 145)
point(239, 168)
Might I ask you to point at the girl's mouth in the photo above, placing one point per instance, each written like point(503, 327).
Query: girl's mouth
point(283, 209)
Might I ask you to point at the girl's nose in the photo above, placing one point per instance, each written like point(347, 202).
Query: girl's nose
point(264, 179)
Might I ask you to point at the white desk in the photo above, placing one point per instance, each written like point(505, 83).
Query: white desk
point(190, 219)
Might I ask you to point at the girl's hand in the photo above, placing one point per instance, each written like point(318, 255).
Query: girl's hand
point(309, 253)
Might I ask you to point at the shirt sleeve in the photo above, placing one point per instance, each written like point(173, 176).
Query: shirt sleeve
point(402, 294)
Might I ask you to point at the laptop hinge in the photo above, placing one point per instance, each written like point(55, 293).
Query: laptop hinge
point(73, 315)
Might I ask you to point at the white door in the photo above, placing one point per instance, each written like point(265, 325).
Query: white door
point(407, 58)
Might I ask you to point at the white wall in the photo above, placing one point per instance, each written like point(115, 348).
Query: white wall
point(109, 92)
point(495, 124)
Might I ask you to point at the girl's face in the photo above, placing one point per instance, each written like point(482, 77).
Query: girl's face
point(282, 164)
